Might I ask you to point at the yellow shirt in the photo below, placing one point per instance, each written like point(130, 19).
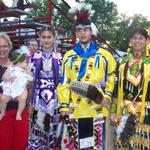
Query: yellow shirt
point(103, 69)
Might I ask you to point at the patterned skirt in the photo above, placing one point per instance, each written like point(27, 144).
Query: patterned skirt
point(84, 133)
point(139, 141)
point(43, 133)
point(40, 140)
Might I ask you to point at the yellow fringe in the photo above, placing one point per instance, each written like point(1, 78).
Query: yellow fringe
point(145, 86)
point(129, 49)
point(120, 90)
point(148, 50)
point(143, 127)
point(138, 140)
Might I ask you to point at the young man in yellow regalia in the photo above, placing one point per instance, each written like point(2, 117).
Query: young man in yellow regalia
point(87, 65)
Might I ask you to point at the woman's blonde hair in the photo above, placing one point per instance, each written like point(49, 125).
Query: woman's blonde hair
point(7, 38)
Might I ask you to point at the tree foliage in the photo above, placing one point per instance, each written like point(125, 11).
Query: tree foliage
point(125, 26)
point(113, 27)
point(105, 17)
point(58, 20)
point(41, 11)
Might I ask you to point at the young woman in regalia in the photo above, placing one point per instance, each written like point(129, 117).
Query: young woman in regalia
point(45, 66)
point(132, 95)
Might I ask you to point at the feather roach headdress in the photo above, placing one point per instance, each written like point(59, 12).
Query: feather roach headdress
point(83, 13)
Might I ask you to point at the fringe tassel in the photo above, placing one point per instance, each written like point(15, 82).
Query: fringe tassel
point(146, 80)
point(120, 90)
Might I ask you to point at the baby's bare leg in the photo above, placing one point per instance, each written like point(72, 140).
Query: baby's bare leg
point(3, 104)
point(22, 103)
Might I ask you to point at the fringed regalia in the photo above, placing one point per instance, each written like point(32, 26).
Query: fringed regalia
point(133, 99)
point(84, 127)
point(45, 67)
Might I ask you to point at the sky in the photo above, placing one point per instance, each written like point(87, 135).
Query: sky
point(130, 7)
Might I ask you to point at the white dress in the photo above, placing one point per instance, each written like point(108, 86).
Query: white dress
point(18, 85)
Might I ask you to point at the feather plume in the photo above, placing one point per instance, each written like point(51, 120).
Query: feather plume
point(126, 128)
point(82, 10)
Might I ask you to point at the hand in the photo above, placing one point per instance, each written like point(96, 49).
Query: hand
point(113, 117)
point(13, 78)
point(10, 78)
point(64, 113)
point(105, 102)
point(27, 70)
point(29, 85)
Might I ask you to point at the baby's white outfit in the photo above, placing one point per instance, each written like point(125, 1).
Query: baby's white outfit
point(18, 85)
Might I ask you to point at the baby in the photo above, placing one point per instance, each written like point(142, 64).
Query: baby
point(14, 83)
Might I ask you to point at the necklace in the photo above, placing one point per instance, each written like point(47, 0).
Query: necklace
point(47, 61)
point(134, 70)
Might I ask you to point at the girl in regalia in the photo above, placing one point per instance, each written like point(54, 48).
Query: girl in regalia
point(45, 66)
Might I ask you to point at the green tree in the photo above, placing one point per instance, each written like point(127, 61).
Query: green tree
point(105, 17)
point(112, 27)
point(42, 10)
point(58, 20)
point(125, 26)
